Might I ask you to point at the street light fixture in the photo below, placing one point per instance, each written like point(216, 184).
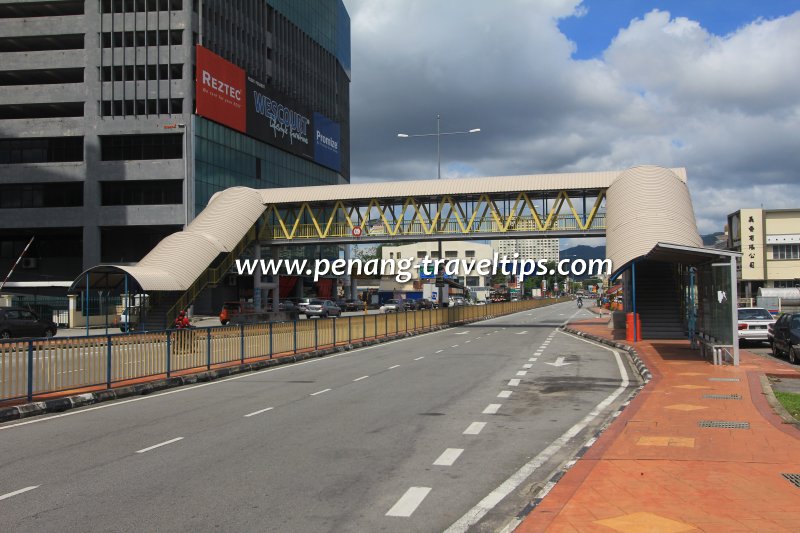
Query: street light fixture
point(438, 136)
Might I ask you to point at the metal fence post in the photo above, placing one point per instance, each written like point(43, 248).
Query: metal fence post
point(349, 330)
point(30, 371)
point(208, 348)
point(108, 361)
point(169, 351)
point(396, 324)
point(295, 336)
point(364, 327)
point(241, 336)
point(386, 319)
point(270, 340)
point(334, 332)
point(376, 326)
point(316, 334)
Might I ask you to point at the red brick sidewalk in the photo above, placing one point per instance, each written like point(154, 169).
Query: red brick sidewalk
point(656, 470)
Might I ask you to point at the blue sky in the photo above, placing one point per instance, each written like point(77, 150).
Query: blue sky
point(594, 31)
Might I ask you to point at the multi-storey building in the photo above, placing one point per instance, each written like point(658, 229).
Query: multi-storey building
point(531, 249)
point(769, 240)
point(119, 119)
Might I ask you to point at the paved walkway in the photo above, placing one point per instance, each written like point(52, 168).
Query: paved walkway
point(656, 470)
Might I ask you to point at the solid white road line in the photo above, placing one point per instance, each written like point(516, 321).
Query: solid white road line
point(492, 408)
point(259, 412)
point(409, 502)
point(159, 445)
point(474, 515)
point(319, 392)
point(393, 367)
point(527, 365)
point(475, 428)
point(448, 457)
point(362, 377)
point(513, 382)
point(522, 373)
point(20, 491)
point(504, 394)
point(418, 358)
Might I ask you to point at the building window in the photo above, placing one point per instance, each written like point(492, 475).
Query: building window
point(28, 195)
point(421, 255)
point(451, 254)
point(470, 253)
point(785, 284)
point(139, 6)
point(144, 192)
point(142, 72)
point(163, 106)
point(141, 38)
point(786, 251)
point(41, 150)
point(137, 147)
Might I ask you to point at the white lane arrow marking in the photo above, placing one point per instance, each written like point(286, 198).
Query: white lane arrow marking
point(559, 362)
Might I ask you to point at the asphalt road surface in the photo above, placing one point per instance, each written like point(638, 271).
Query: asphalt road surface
point(444, 430)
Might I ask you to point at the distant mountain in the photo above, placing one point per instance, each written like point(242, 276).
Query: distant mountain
point(711, 238)
point(584, 252)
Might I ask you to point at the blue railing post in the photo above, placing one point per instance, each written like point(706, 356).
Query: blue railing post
point(295, 336)
point(316, 334)
point(208, 348)
point(30, 371)
point(241, 341)
point(108, 361)
point(270, 340)
point(169, 352)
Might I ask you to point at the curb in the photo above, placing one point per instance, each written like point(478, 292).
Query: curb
point(643, 371)
point(780, 410)
point(58, 405)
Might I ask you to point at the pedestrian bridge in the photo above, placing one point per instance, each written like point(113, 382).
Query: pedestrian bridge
point(635, 208)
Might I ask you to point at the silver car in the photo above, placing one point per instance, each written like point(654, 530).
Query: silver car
point(322, 309)
point(754, 324)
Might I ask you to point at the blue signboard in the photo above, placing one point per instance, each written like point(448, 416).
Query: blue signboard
point(327, 142)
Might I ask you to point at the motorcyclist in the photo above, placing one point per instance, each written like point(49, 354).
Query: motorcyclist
point(182, 321)
point(580, 301)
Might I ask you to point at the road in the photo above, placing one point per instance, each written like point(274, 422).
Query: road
point(413, 435)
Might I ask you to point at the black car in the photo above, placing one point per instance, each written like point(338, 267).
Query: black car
point(786, 337)
point(18, 322)
point(424, 303)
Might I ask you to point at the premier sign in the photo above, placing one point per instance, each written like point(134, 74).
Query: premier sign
point(225, 94)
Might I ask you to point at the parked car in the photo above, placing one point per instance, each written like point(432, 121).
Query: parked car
point(424, 303)
point(457, 301)
point(786, 337)
point(392, 306)
point(302, 304)
point(18, 322)
point(353, 305)
point(231, 309)
point(322, 309)
point(409, 304)
point(753, 324)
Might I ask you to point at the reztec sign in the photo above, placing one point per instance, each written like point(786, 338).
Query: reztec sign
point(225, 94)
point(220, 90)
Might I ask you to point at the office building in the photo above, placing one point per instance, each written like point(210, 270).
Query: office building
point(532, 249)
point(119, 119)
point(769, 240)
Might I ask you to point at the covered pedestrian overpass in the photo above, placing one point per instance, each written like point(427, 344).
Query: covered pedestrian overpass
point(636, 209)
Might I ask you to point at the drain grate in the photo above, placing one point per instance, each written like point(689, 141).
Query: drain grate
point(722, 396)
point(725, 424)
point(723, 379)
point(794, 479)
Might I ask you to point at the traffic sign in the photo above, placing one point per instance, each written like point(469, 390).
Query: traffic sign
point(357, 231)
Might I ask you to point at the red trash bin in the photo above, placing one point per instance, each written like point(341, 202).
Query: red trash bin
point(629, 327)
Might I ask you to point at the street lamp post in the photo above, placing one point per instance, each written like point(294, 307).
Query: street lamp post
point(438, 136)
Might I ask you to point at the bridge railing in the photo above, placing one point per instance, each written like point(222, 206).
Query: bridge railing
point(445, 227)
point(30, 368)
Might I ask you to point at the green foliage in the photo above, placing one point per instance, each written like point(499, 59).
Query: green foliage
point(790, 401)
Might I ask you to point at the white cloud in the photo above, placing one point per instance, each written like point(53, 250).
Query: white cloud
point(666, 92)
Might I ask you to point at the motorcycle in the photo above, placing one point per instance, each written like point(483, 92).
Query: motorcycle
point(580, 304)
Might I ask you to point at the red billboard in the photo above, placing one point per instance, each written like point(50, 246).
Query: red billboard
point(220, 90)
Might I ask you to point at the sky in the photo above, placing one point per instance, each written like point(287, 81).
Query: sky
point(565, 86)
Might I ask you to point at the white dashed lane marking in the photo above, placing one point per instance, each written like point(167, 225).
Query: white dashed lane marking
point(448, 457)
point(393, 367)
point(319, 392)
point(527, 365)
point(143, 450)
point(362, 377)
point(16, 492)
point(254, 413)
point(504, 394)
point(522, 373)
point(418, 358)
point(514, 382)
point(522, 333)
point(492, 409)
point(439, 351)
point(475, 428)
point(409, 502)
